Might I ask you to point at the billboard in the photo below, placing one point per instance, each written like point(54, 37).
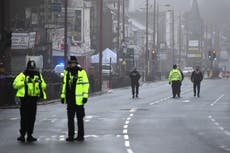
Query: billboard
point(23, 40)
point(193, 49)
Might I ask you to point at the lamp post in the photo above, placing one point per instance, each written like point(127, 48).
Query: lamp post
point(146, 43)
point(173, 41)
point(172, 31)
point(65, 34)
point(154, 41)
point(100, 45)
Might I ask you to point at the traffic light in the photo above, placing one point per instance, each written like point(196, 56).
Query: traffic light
point(154, 53)
point(214, 54)
point(209, 54)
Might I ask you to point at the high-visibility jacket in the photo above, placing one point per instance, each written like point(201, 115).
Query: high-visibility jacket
point(27, 86)
point(175, 75)
point(82, 85)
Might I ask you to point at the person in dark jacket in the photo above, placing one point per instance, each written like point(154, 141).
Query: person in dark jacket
point(196, 79)
point(30, 87)
point(135, 76)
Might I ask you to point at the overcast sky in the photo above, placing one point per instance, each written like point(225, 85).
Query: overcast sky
point(211, 10)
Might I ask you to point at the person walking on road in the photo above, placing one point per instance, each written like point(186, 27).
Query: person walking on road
point(175, 80)
point(134, 77)
point(30, 87)
point(196, 79)
point(75, 94)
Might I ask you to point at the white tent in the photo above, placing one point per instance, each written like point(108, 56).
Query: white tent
point(106, 55)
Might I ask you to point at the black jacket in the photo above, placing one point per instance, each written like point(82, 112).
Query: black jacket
point(196, 76)
point(134, 76)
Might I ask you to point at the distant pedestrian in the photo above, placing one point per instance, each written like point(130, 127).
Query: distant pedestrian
point(175, 78)
point(30, 87)
point(75, 90)
point(134, 77)
point(196, 79)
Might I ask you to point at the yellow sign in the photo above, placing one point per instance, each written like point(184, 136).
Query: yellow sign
point(124, 62)
point(193, 48)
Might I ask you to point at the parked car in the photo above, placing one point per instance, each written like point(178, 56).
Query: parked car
point(187, 71)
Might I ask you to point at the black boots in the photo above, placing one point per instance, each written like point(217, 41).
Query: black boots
point(21, 138)
point(31, 139)
point(71, 139)
point(79, 139)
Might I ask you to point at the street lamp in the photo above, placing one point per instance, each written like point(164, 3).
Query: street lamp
point(146, 43)
point(172, 32)
point(101, 44)
point(65, 34)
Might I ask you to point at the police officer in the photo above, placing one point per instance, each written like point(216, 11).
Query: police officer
point(175, 79)
point(135, 76)
point(196, 79)
point(75, 94)
point(30, 87)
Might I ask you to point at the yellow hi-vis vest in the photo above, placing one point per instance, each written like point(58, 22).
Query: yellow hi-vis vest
point(82, 86)
point(32, 88)
point(175, 75)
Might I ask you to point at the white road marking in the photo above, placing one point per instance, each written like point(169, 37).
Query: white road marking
point(14, 118)
point(186, 101)
point(126, 137)
point(221, 128)
point(125, 130)
point(131, 115)
point(129, 151)
point(217, 100)
point(127, 144)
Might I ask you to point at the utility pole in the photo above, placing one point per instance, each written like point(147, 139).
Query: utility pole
point(180, 40)
point(173, 41)
point(146, 43)
point(65, 34)
point(123, 19)
point(154, 40)
point(100, 44)
point(118, 30)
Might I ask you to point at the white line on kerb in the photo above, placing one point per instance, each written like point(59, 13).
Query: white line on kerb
point(212, 104)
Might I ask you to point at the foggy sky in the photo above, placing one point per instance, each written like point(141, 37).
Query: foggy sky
point(212, 11)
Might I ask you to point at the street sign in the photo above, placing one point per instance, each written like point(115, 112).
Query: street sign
point(55, 7)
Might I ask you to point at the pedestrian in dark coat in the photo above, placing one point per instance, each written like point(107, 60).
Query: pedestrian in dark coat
point(196, 79)
point(135, 76)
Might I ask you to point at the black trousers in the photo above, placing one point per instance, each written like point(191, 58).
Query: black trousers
point(135, 89)
point(196, 87)
point(175, 88)
point(79, 111)
point(28, 109)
